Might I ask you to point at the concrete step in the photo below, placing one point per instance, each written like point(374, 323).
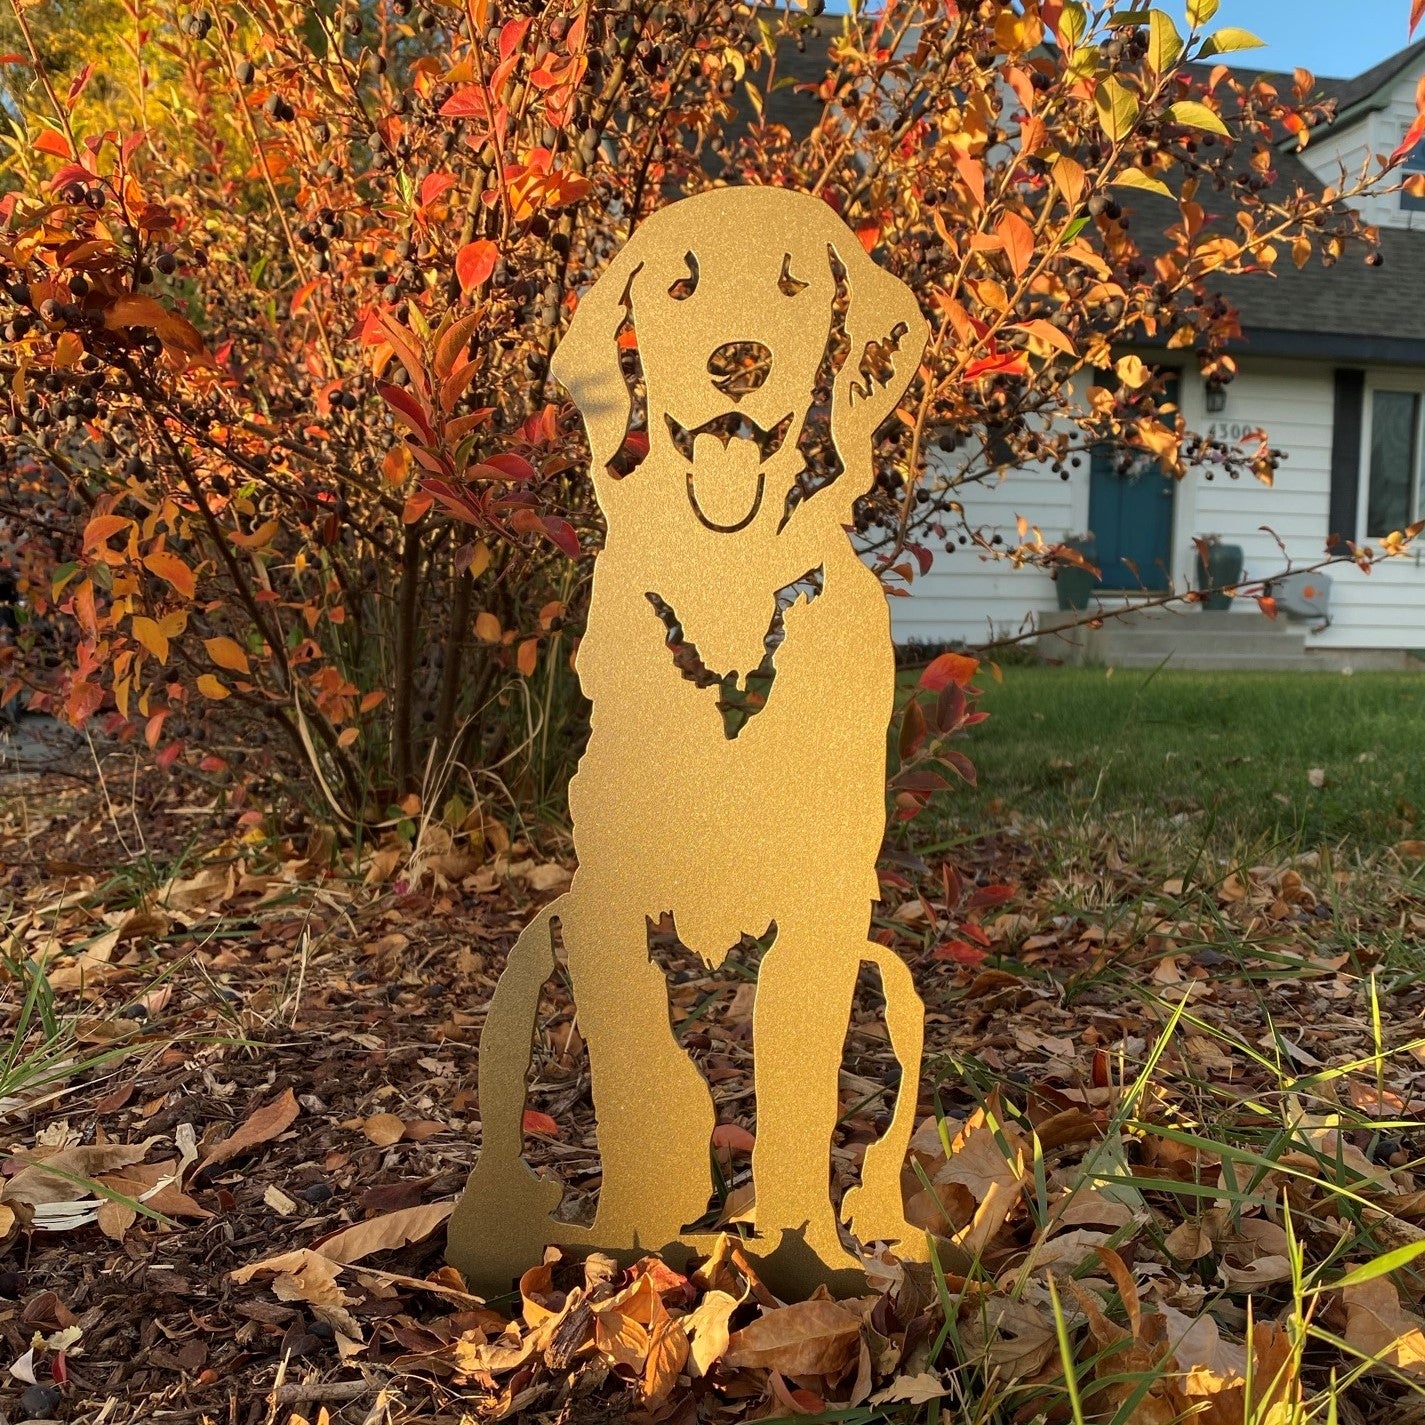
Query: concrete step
point(1126, 641)
point(1220, 661)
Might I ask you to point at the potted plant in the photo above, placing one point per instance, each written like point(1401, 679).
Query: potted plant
point(1219, 567)
point(1075, 582)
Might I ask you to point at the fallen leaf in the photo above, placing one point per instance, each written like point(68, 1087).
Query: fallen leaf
point(383, 1129)
point(1381, 1329)
point(385, 1233)
point(262, 1126)
point(707, 1328)
point(807, 1338)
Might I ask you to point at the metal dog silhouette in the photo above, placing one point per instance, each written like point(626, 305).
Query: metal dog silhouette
point(727, 556)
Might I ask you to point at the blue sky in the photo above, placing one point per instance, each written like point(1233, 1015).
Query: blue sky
point(1335, 39)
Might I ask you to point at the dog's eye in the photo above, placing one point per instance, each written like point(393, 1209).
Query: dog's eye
point(788, 285)
point(684, 287)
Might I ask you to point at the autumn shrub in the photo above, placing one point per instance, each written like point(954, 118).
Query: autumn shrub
point(279, 285)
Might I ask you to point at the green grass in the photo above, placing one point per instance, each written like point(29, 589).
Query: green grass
point(1236, 748)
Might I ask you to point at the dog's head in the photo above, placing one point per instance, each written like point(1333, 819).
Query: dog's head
point(737, 301)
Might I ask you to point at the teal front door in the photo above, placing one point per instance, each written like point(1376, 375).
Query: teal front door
point(1131, 516)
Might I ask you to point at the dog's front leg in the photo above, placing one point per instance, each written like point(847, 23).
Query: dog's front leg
point(799, 1019)
point(654, 1109)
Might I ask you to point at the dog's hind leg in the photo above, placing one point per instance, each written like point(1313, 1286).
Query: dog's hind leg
point(875, 1211)
point(501, 1224)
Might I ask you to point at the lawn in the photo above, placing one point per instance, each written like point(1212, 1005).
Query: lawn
point(1295, 758)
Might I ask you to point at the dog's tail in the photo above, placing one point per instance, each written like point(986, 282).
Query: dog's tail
point(505, 1042)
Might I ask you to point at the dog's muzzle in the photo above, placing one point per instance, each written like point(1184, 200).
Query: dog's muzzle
point(725, 455)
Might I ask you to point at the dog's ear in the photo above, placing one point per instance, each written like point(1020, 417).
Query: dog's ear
point(586, 362)
point(886, 334)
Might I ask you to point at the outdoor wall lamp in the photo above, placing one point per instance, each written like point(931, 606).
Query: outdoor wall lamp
point(1216, 396)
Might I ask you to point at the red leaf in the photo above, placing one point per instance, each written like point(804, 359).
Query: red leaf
point(475, 262)
point(407, 408)
point(987, 897)
point(956, 668)
point(960, 951)
point(561, 533)
point(78, 84)
point(1417, 9)
point(953, 887)
point(536, 1122)
point(513, 467)
point(1268, 605)
point(511, 33)
point(468, 102)
point(434, 186)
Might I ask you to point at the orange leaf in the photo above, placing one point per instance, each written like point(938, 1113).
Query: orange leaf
point(103, 528)
point(527, 657)
point(487, 627)
point(52, 141)
point(956, 668)
point(228, 653)
point(172, 570)
point(475, 262)
point(537, 1122)
point(211, 687)
point(1018, 239)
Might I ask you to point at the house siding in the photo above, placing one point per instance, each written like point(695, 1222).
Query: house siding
point(971, 597)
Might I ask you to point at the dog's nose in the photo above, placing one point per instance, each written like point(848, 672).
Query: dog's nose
point(738, 368)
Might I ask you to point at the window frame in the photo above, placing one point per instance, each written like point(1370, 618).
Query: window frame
point(1413, 162)
point(1405, 383)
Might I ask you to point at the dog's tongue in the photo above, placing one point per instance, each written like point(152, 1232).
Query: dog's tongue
point(726, 479)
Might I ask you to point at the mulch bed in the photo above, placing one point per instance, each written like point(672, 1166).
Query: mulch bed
point(287, 1045)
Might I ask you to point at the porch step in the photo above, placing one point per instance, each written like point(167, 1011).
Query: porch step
point(1197, 638)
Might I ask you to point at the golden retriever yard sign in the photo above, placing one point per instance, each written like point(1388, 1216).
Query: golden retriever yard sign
point(724, 558)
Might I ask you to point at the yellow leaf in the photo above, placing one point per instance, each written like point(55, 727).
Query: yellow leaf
point(210, 687)
point(1165, 44)
point(101, 529)
point(1193, 115)
point(1136, 178)
point(228, 653)
point(1227, 39)
point(487, 627)
point(1117, 109)
point(68, 349)
point(1131, 371)
point(479, 559)
point(153, 638)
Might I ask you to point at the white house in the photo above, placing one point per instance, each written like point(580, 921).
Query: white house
point(1333, 369)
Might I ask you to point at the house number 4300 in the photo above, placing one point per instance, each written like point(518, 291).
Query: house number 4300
point(1234, 430)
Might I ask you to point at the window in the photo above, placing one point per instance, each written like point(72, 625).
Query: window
point(1414, 163)
point(1393, 497)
